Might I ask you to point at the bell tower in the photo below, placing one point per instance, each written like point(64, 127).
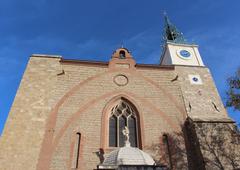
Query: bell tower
point(177, 51)
point(202, 101)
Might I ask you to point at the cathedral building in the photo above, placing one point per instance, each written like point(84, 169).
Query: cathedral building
point(85, 115)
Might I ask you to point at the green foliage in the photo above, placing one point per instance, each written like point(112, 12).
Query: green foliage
point(233, 93)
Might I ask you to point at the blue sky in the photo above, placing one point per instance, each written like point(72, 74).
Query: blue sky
point(93, 29)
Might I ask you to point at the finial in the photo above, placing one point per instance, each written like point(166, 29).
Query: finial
point(165, 16)
point(126, 132)
point(164, 13)
point(122, 45)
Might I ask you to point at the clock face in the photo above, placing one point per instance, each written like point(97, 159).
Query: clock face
point(195, 79)
point(184, 54)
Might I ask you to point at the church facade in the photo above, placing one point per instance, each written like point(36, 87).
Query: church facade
point(69, 114)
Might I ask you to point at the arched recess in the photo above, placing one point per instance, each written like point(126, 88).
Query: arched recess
point(123, 111)
point(50, 142)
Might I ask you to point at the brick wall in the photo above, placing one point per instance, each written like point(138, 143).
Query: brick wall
point(24, 130)
point(56, 99)
point(202, 101)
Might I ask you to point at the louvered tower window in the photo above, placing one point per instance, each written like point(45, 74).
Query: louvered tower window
point(123, 114)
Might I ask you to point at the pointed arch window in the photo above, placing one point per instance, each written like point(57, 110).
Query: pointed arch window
point(123, 114)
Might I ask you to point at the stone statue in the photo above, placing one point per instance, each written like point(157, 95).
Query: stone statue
point(126, 132)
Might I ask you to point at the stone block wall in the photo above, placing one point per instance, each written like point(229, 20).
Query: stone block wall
point(157, 99)
point(23, 134)
point(59, 98)
point(213, 145)
point(201, 99)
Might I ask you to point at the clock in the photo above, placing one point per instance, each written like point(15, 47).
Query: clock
point(184, 54)
point(195, 79)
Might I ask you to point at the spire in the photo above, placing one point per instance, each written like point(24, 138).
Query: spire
point(171, 33)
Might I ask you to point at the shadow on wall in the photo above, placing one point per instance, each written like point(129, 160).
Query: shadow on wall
point(201, 146)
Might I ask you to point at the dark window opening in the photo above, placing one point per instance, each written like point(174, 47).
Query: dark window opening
point(122, 54)
point(166, 142)
point(133, 130)
point(122, 124)
point(170, 35)
point(78, 148)
point(113, 131)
